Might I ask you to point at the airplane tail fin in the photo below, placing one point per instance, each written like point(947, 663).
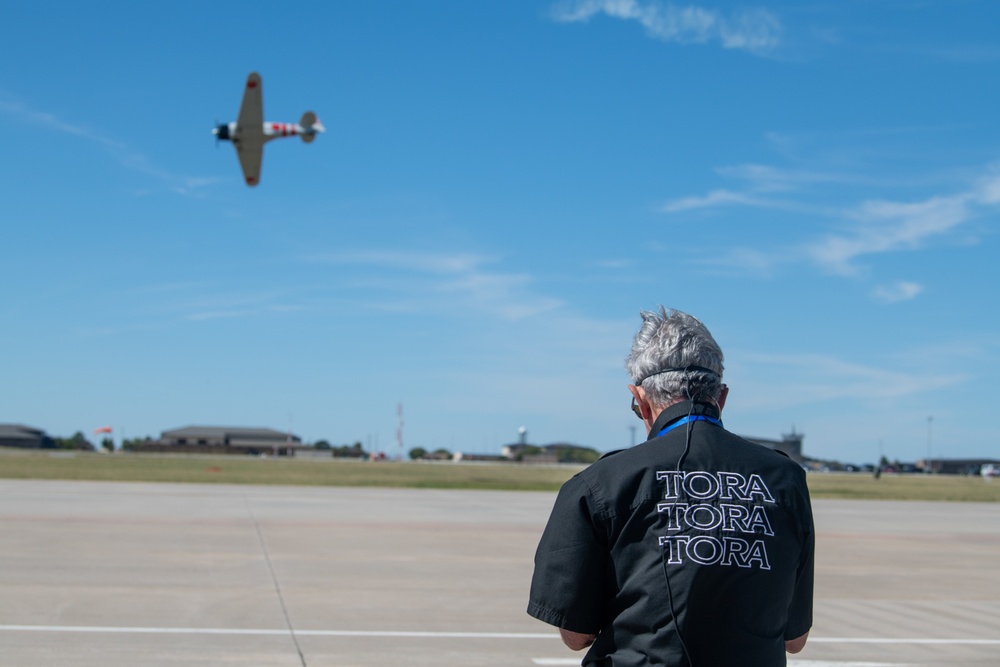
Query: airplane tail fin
point(310, 126)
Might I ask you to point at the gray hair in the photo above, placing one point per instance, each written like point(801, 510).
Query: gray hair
point(670, 339)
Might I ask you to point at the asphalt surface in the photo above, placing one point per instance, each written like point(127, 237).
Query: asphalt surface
point(94, 574)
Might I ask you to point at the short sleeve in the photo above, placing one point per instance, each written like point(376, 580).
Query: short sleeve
point(800, 609)
point(567, 587)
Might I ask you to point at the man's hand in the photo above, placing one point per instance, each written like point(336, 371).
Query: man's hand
point(577, 641)
point(793, 645)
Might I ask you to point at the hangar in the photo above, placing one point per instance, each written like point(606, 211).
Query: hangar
point(26, 437)
point(224, 440)
point(790, 444)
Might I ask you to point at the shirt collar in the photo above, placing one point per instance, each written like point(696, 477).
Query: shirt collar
point(678, 411)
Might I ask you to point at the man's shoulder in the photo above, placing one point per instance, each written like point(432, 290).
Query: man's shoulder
point(755, 449)
point(621, 469)
point(726, 445)
point(619, 459)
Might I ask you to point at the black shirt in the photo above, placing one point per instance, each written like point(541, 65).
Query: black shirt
point(715, 557)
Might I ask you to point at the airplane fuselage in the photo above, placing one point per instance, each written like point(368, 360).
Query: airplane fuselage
point(227, 131)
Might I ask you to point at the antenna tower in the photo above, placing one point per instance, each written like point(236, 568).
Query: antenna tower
point(399, 430)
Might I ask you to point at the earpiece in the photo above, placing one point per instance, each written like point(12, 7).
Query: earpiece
point(663, 557)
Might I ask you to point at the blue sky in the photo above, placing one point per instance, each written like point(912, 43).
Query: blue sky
point(501, 188)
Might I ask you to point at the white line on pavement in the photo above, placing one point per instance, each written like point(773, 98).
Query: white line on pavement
point(901, 640)
point(301, 633)
point(552, 662)
point(836, 663)
point(444, 635)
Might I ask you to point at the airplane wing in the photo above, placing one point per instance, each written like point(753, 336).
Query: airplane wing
point(252, 109)
point(250, 151)
point(249, 135)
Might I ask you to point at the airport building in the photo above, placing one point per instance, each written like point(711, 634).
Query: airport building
point(790, 444)
point(25, 437)
point(558, 452)
point(224, 440)
point(955, 466)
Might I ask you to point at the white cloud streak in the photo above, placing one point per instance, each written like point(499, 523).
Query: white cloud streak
point(127, 157)
point(755, 30)
point(765, 178)
point(899, 291)
point(233, 306)
point(885, 226)
point(615, 264)
point(421, 262)
point(814, 378)
point(760, 180)
point(442, 281)
point(873, 227)
point(987, 190)
point(714, 199)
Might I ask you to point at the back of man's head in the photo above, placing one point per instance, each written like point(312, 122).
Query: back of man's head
point(670, 339)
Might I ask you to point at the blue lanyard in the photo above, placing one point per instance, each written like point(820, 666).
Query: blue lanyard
point(690, 418)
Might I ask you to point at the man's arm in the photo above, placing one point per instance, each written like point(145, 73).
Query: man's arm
point(792, 645)
point(800, 609)
point(567, 586)
point(578, 641)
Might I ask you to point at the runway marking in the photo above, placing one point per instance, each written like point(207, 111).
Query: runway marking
point(835, 663)
point(454, 635)
point(266, 632)
point(552, 662)
point(894, 640)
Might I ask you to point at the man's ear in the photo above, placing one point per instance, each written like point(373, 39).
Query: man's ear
point(645, 407)
point(722, 396)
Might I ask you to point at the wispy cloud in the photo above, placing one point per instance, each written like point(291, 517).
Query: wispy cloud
point(812, 378)
point(970, 53)
point(615, 264)
point(762, 187)
point(987, 188)
point(456, 284)
point(236, 307)
point(221, 315)
point(715, 199)
point(197, 301)
point(898, 291)
point(755, 30)
point(423, 262)
point(885, 226)
point(871, 227)
point(436, 281)
point(742, 261)
point(964, 54)
point(126, 156)
point(765, 178)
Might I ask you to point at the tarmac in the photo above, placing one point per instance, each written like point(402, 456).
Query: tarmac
point(94, 574)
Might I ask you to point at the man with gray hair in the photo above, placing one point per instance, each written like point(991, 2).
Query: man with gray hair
point(694, 548)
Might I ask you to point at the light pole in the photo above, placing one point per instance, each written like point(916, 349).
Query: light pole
point(930, 419)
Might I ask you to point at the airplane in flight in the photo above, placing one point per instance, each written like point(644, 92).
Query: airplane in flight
point(249, 133)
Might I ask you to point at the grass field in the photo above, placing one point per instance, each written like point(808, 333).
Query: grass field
point(279, 471)
point(20, 464)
